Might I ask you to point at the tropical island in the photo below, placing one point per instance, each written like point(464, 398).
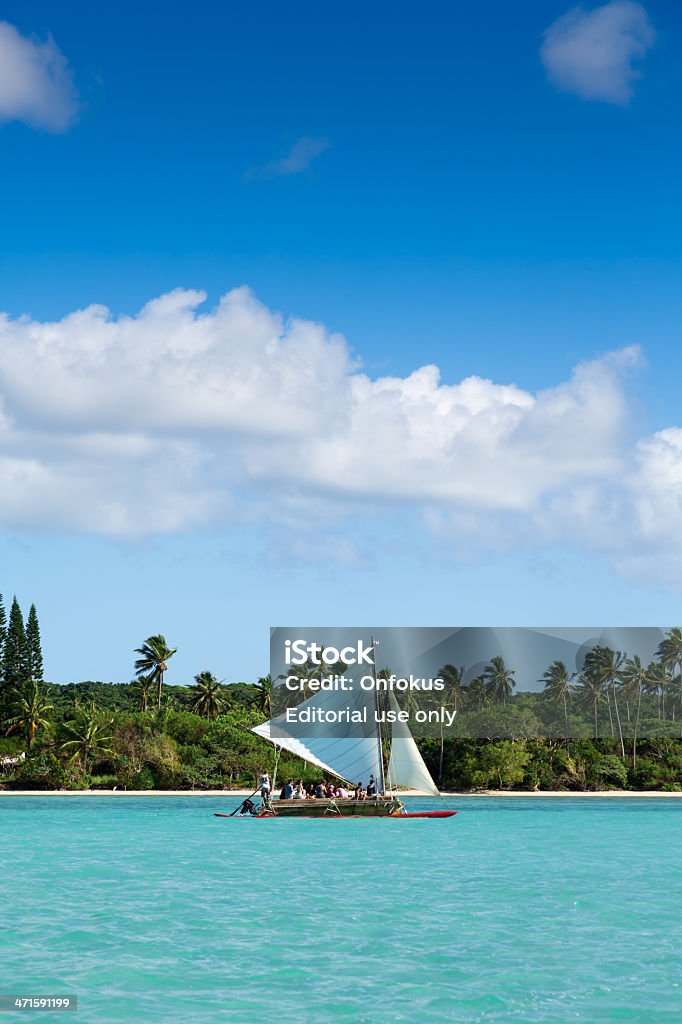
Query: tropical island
point(617, 724)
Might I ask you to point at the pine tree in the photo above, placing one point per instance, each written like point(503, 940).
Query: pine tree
point(14, 660)
point(34, 654)
point(3, 634)
point(3, 631)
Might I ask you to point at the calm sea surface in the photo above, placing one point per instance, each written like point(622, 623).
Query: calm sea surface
point(151, 909)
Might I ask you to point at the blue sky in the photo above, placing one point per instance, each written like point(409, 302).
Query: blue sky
point(441, 185)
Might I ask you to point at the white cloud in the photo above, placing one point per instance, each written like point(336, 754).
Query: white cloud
point(591, 53)
point(36, 85)
point(299, 158)
point(178, 418)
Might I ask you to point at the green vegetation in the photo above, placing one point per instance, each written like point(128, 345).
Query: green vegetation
point(616, 724)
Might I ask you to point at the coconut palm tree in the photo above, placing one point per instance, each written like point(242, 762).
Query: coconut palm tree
point(634, 678)
point(142, 688)
point(658, 684)
point(477, 695)
point(88, 737)
point(452, 676)
point(669, 653)
point(31, 709)
point(558, 680)
point(264, 686)
point(451, 699)
point(153, 661)
point(590, 694)
point(308, 671)
point(607, 665)
point(208, 698)
point(499, 679)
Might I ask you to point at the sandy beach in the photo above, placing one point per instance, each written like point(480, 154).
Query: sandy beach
point(540, 794)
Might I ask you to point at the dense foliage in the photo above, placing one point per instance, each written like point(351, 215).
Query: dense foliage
point(617, 724)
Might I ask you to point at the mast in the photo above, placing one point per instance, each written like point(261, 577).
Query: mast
point(382, 780)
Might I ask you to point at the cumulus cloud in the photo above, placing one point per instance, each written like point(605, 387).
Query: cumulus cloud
point(182, 417)
point(36, 85)
point(299, 158)
point(591, 53)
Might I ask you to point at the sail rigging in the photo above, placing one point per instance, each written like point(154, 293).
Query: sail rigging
point(353, 756)
point(406, 766)
point(356, 755)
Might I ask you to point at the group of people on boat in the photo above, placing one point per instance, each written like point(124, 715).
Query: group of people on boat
point(323, 790)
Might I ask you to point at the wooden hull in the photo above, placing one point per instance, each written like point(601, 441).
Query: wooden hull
point(387, 807)
point(381, 808)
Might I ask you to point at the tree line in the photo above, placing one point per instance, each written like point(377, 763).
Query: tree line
point(149, 734)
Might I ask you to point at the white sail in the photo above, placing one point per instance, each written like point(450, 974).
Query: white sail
point(293, 746)
point(353, 757)
point(406, 765)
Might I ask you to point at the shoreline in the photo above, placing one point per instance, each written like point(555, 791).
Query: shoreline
point(410, 794)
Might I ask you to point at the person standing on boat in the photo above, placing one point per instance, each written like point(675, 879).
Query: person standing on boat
point(265, 786)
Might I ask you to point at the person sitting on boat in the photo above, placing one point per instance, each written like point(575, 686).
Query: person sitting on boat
point(342, 793)
point(265, 786)
point(331, 792)
point(359, 792)
point(287, 791)
point(310, 792)
point(299, 791)
point(321, 790)
point(371, 787)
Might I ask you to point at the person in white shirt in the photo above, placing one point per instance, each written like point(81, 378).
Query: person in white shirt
point(265, 786)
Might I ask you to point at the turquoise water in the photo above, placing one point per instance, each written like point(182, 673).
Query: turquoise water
point(151, 909)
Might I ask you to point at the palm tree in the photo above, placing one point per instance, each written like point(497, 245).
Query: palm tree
point(634, 677)
point(499, 679)
point(153, 661)
point(669, 653)
point(557, 682)
point(452, 695)
point(607, 665)
point(590, 693)
point(31, 707)
point(307, 672)
point(208, 698)
point(88, 737)
point(478, 695)
point(142, 687)
point(264, 686)
point(452, 677)
point(658, 684)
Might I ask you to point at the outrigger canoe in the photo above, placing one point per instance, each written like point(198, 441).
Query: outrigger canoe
point(381, 807)
point(357, 755)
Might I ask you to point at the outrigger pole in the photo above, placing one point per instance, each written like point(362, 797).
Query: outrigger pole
point(278, 751)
